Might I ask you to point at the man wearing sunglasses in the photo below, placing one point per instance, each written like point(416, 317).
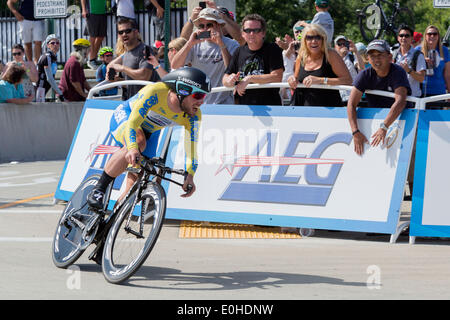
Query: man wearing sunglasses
point(210, 51)
point(136, 123)
point(132, 64)
point(255, 62)
point(410, 59)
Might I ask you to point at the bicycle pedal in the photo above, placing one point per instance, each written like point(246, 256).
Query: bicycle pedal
point(138, 235)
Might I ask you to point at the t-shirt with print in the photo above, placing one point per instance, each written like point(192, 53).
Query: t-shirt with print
point(263, 61)
point(207, 56)
point(369, 80)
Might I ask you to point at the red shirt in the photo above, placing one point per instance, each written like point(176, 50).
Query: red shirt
point(73, 72)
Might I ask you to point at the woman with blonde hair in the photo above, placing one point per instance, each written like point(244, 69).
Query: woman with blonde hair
point(174, 46)
point(437, 58)
point(317, 64)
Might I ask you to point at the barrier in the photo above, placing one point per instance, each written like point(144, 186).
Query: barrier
point(430, 213)
point(37, 131)
point(326, 182)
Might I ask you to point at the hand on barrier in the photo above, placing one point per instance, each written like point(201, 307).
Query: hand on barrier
point(359, 140)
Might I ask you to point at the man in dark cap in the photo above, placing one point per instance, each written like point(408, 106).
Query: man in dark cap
point(382, 75)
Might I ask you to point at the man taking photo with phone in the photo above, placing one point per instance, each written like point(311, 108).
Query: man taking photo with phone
point(210, 51)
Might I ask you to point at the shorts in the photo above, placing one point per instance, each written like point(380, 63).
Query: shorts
point(117, 127)
point(31, 30)
point(96, 25)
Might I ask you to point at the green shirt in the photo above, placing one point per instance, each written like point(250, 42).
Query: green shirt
point(97, 6)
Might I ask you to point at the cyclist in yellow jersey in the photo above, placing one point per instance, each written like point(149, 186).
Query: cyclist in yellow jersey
point(174, 101)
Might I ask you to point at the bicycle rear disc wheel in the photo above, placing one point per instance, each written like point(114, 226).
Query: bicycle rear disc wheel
point(69, 244)
point(124, 252)
point(370, 23)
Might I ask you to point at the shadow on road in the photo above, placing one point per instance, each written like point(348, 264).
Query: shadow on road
point(168, 278)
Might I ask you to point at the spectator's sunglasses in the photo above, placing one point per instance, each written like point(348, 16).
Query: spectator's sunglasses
point(17, 53)
point(250, 30)
point(315, 37)
point(186, 90)
point(432, 33)
point(126, 31)
point(54, 42)
point(208, 25)
point(404, 35)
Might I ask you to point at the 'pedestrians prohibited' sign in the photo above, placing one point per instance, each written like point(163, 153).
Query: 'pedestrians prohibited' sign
point(50, 8)
point(441, 3)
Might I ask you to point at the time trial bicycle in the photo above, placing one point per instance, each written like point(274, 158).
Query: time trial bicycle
point(125, 235)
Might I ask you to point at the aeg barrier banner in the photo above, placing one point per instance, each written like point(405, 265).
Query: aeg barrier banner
point(294, 166)
point(430, 214)
point(92, 146)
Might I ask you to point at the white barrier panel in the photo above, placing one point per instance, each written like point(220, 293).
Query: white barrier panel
point(91, 148)
point(294, 166)
point(430, 214)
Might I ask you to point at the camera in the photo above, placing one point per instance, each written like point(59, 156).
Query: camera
point(111, 74)
point(296, 45)
point(203, 35)
point(202, 4)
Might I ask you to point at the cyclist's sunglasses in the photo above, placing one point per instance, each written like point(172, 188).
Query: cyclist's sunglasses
point(186, 90)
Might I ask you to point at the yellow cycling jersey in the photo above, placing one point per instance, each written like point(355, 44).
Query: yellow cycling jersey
point(148, 110)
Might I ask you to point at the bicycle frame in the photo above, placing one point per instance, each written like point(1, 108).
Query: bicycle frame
point(149, 167)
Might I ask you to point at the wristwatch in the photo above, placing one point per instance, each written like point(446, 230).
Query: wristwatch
point(383, 126)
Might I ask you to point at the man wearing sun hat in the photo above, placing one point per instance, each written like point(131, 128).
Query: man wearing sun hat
point(211, 53)
point(382, 75)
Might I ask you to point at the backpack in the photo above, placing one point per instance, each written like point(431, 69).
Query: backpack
point(414, 58)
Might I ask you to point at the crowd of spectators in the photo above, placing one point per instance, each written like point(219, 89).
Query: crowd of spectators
point(231, 54)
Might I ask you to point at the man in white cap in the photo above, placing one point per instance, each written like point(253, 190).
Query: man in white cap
point(210, 51)
point(382, 75)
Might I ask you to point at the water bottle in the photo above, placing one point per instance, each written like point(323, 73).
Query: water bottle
point(430, 64)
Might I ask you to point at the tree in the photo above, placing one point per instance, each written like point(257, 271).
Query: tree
point(282, 15)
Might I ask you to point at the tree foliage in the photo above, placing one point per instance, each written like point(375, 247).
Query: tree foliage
point(282, 15)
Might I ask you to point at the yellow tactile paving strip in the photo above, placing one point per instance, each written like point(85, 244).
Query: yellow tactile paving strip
point(214, 230)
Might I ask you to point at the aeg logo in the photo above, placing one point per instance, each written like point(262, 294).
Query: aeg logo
point(281, 187)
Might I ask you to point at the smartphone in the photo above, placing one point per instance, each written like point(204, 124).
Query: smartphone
point(204, 35)
point(202, 4)
point(148, 52)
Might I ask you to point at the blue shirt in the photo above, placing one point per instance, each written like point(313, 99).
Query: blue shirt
point(9, 91)
point(435, 84)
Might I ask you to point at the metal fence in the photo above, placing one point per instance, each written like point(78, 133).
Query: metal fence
point(72, 27)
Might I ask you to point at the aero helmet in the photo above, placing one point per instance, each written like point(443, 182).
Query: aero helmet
point(186, 81)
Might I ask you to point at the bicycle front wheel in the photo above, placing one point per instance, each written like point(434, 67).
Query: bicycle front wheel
point(133, 234)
